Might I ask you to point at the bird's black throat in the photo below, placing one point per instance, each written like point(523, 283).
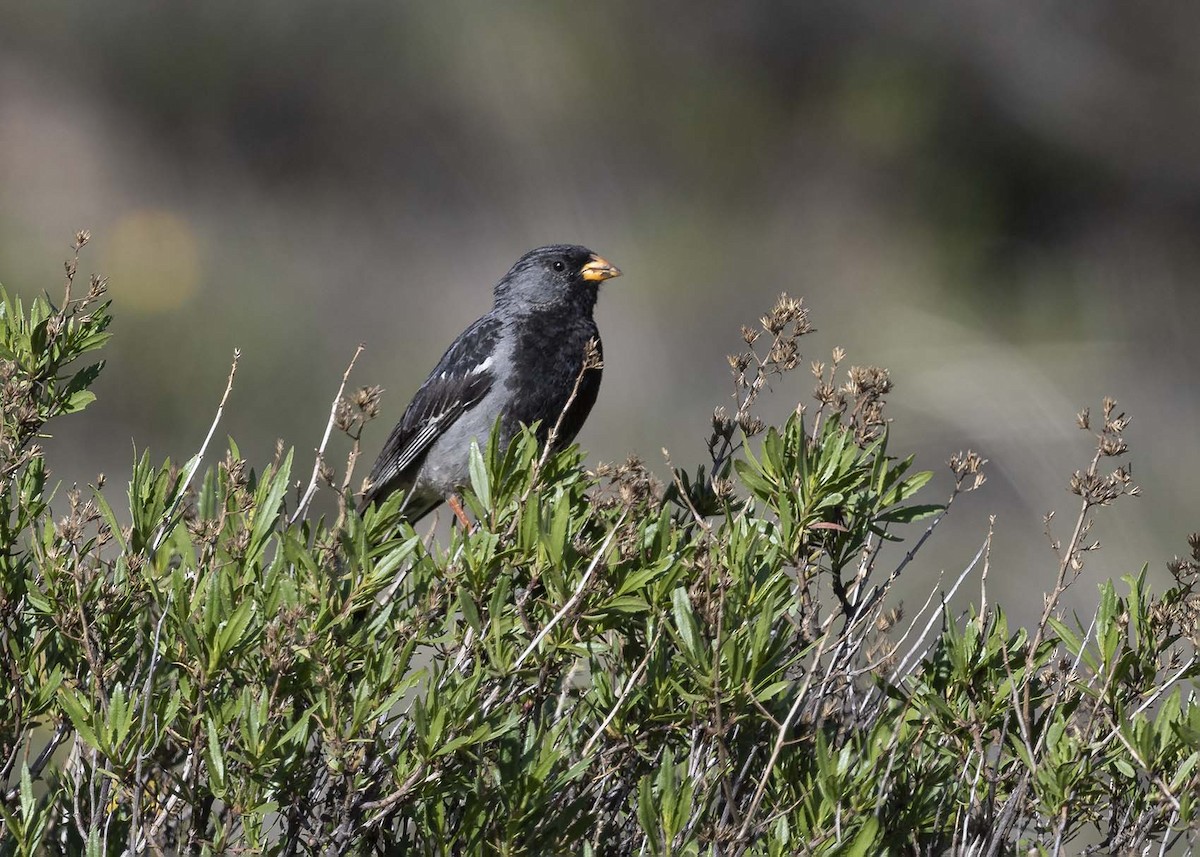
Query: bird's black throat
point(549, 353)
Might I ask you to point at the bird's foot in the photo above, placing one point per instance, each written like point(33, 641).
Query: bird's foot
point(459, 512)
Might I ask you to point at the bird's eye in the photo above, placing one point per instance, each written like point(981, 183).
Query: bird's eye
point(559, 266)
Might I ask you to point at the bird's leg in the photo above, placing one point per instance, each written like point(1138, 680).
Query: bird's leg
point(459, 512)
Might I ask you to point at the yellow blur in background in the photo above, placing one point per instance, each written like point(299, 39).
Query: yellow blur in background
point(153, 255)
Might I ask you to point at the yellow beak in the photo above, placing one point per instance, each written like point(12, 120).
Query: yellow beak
point(598, 270)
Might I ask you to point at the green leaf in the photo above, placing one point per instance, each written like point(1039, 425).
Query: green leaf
point(28, 804)
point(752, 478)
point(685, 623)
point(231, 633)
point(266, 511)
point(647, 812)
point(78, 401)
point(110, 518)
point(79, 712)
point(480, 484)
point(216, 759)
point(866, 841)
point(908, 514)
point(469, 609)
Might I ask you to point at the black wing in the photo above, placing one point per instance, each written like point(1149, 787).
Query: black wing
point(462, 377)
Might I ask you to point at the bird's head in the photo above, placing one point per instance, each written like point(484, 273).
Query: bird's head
point(557, 274)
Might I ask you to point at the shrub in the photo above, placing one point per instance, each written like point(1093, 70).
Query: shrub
point(601, 665)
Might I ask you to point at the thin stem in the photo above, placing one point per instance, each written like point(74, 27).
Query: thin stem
point(311, 490)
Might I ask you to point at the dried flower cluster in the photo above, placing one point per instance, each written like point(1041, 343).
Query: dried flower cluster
point(970, 465)
point(753, 371)
point(1102, 489)
point(630, 485)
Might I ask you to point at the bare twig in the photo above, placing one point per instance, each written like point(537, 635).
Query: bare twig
point(165, 527)
point(147, 688)
point(625, 691)
point(777, 747)
point(920, 643)
point(575, 596)
point(306, 499)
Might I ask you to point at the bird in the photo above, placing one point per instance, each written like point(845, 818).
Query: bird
point(523, 362)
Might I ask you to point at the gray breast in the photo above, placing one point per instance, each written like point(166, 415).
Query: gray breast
point(447, 464)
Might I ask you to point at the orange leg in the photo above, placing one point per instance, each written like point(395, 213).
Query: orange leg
point(459, 512)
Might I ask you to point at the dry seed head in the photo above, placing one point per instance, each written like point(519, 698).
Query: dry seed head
point(69, 529)
point(239, 543)
point(750, 424)
point(82, 237)
point(787, 311)
point(591, 355)
point(873, 414)
point(749, 334)
point(785, 353)
point(887, 620)
point(343, 416)
point(1117, 424)
point(203, 529)
point(721, 422)
point(236, 468)
point(966, 463)
point(868, 381)
point(825, 393)
point(723, 489)
point(1083, 419)
point(969, 463)
point(1099, 490)
point(1111, 445)
point(366, 400)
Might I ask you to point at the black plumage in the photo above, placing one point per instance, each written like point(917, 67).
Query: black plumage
point(519, 363)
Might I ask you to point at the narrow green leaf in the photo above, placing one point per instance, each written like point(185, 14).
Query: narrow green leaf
point(216, 759)
point(685, 623)
point(266, 511)
point(78, 711)
point(470, 610)
point(479, 475)
point(78, 401)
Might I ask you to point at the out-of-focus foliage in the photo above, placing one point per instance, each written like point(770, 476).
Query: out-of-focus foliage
point(598, 666)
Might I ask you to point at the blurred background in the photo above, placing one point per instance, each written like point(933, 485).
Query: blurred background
point(998, 201)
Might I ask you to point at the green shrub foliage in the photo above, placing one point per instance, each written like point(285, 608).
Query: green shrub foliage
point(600, 666)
